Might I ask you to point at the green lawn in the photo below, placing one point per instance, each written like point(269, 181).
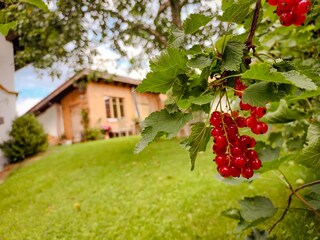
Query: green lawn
point(101, 190)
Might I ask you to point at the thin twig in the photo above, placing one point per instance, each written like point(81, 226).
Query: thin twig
point(253, 28)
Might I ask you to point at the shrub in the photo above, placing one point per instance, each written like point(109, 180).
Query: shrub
point(27, 138)
point(92, 134)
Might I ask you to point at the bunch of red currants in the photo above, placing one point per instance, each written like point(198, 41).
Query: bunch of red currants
point(291, 11)
point(234, 152)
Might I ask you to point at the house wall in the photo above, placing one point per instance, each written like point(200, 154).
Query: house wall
point(52, 123)
point(96, 94)
point(73, 100)
point(7, 100)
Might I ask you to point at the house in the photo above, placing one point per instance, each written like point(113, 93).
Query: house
point(108, 101)
point(7, 93)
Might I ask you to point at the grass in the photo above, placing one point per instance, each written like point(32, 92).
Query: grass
point(101, 190)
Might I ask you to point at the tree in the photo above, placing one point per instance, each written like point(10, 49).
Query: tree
point(70, 32)
point(265, 81)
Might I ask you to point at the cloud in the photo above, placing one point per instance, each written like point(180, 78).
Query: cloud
point(23, 105)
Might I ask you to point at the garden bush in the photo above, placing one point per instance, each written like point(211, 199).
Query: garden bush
point(27, 138)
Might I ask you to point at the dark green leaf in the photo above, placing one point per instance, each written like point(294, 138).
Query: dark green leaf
point(200, 62)
point(283, 114)
point(222, 43)
point(180, 85)
point(231, 213)
point(299, 80)
point(236, 12)
point(315, 204)
point(38, 3)
point(194, 22)
point(4, 28)
point(266, 152)
point(198, 140)
point(260, 93)
point(307, 94)
point(232, 56)
point(160, 123)
point(256, 208)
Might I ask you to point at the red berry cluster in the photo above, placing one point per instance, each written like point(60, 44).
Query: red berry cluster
point(234, 152)
point(291, 11)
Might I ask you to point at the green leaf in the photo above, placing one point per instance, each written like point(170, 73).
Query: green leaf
point(200, 62)
point(275, 164)
point(232, 56)
point(256, 209)
point(160, 123)
point(38, 3)
point(310, 156)
point(232, 213)
point(201, 100)
point(177, 38)
point(307, 94)
point(198, 140)
point(236, 12)
point(266, 152)
point(180, 85)
point(4, 28)
point(194, 22)
point(264, 72)
point(299, 80)
point(283, 114)
point(196, 49)
point(259, 94)
point(313, 134)
point(222, 42)
point(171, 58)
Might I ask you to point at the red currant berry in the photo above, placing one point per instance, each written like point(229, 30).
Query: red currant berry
point(236, 151)
point(216, 132)
point(250, 121)
point(303, 7)
point(251, 154)
point(245, 106)
point(273, 2)
point(258, 112)
point(255, 164)
point(221, 141)
point(286, 19)
point(260, 128)
point(245, 141)
point(240, 122)
point(215, 121)
point(247, 172)
point(235, 172)
point(219, 149)
point(227, 119)
point(232, 130)
point(279, 12)
point(239, 161)
point(216, 114)
point(222, 160)
point(224, 171)
point(253, 143)
point(286, 5)
point(298, 19)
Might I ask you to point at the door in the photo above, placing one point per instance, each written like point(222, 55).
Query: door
point(76, 125)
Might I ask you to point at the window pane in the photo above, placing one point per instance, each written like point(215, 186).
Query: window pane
point(108, 110)
point(114, 103)
point(121, 107)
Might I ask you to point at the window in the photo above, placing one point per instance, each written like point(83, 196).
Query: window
point(114, 107)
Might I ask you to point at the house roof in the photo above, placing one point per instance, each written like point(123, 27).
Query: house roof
point(70, 85)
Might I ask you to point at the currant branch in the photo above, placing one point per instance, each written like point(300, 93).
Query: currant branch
point(253, 28)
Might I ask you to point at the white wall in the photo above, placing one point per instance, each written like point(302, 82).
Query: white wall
point(50, 122)
point(7, 101)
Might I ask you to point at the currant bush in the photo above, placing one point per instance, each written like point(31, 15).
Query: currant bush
point(291, 11)
point(235, 155)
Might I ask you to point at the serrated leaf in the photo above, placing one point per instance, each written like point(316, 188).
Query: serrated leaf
point(201, 100)
point(183, 103)
point(177, 38)
point(313, 135)
point(258, 208)
point(259, 94)
point(307, 94)
point(232, 56)
point(198, 140)
point(4, 28)
point(160, 123)
point(194, 22)
point(222, 43)
point(299, 80)
point(232, 213)
point(171, 58)
point(283, 114)
point(264, 72)
point(200, 62)
point(310, 156)
point(180, 85)
point(237, 12)
point(266, 152)
point(38, 3)
point(196, 49)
